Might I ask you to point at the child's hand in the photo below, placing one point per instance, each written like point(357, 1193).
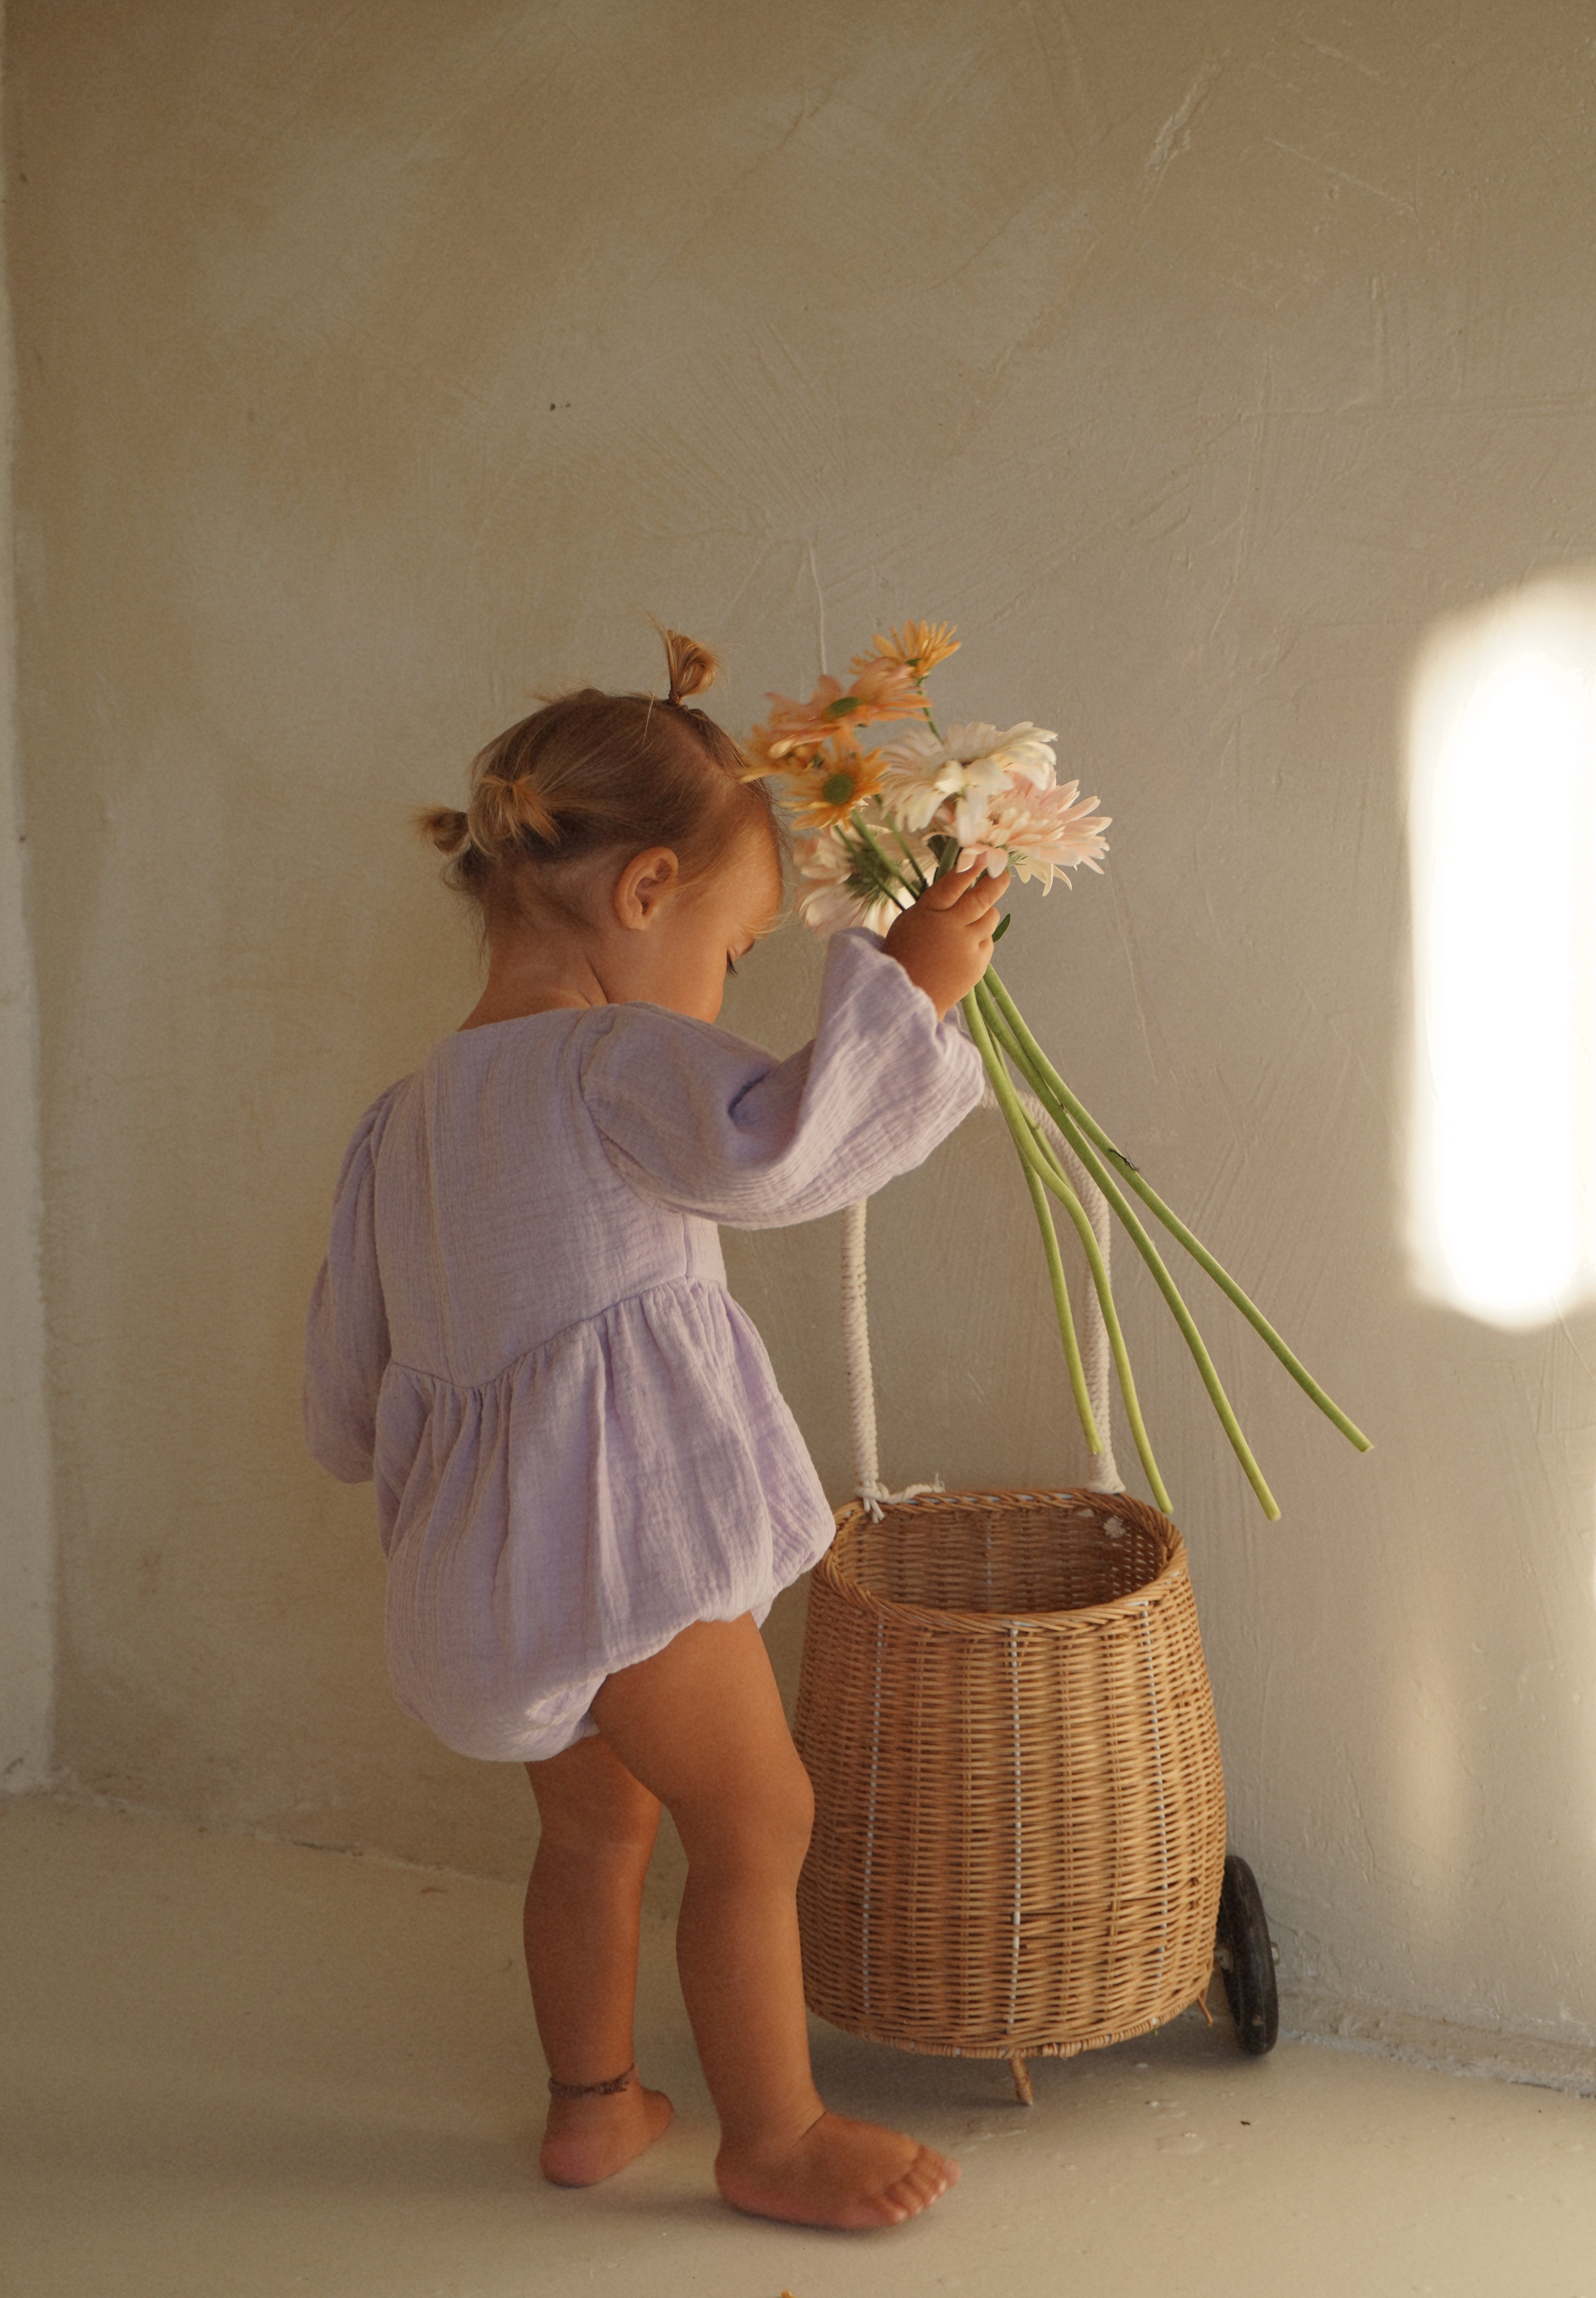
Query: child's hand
point(944, 942)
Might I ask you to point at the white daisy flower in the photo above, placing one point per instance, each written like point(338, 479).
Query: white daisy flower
point(924, 773)
point(848, 882)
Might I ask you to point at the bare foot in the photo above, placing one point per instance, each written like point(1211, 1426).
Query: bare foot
point(586, 2139)
point(852, 2175)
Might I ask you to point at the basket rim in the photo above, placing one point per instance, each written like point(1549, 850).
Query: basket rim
point(1135, 1599)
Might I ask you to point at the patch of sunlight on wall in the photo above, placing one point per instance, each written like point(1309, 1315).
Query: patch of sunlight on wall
point(1502, 764)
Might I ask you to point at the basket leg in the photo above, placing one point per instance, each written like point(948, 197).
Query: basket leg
point(1017, 2068)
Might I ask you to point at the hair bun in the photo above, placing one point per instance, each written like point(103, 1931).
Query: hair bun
point(503, 811)
point(691, 666)
point(445, 827)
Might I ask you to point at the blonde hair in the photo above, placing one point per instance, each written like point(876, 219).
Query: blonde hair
point(590, 771)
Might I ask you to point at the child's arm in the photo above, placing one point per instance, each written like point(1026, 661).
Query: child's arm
point(708, 1124)
point(346, 1326)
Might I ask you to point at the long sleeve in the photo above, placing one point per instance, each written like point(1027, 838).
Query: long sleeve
point(708, 1124)
point(346, 1325)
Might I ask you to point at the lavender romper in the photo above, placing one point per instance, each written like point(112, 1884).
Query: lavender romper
point(522, 1331)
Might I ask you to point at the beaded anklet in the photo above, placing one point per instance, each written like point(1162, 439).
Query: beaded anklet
point(593, 2090)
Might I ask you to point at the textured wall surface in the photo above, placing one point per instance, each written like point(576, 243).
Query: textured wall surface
point(26, 1525)
point(380, 365)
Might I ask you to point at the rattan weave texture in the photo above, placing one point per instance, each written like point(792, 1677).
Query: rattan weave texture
point(1020, 1828)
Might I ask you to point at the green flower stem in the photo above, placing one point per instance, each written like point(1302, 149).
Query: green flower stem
point(946, 851)
point(874, 871)
point(921, 880)
point(889, 868)
point(1060, 1098)
point(1066, 1322)
point(1166, 1286)
point(1046, 1172)
point(1149, 1254)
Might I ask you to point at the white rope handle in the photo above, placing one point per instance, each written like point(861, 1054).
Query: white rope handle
point(1102, 1475)
point(861, 1373)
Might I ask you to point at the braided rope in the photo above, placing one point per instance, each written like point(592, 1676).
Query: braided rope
point(861, 1372)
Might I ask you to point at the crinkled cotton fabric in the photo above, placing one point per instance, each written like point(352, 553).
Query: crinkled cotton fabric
point(522, 1331)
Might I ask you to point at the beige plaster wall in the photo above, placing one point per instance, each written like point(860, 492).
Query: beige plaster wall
point(27, 1523)
point(380, 365)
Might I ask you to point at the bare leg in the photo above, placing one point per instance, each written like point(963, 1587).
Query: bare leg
point(584, 1905)
point(701, 1726)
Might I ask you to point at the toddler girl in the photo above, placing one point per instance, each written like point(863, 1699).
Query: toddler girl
point(589, 1488)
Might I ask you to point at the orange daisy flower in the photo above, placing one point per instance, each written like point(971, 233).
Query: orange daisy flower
point(833, 782)
point(882, 689)
point(918, 648)
point(795, 731)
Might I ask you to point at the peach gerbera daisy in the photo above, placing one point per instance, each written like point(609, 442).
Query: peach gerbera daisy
point(795, 731)
point(832, 783)
point(918, 648)
point(882, 688)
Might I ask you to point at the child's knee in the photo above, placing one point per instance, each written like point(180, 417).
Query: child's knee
point(602, 1839)
point(606, 1816)
point(766, 1825)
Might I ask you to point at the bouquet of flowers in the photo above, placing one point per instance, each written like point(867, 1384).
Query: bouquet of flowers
point(873, 828)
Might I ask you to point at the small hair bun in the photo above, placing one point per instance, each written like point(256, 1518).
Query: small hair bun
point(445, 827)
point(504, 810)
point(691, 666)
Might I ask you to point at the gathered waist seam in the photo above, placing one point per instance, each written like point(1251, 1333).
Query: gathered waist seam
point(644, 1293)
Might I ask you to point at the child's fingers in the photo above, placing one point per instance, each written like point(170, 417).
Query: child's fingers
point(945, 892)
point(976, 906)
point(986, 892)
point(970, 888)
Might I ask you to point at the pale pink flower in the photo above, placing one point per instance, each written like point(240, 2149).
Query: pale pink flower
point(1034, 833)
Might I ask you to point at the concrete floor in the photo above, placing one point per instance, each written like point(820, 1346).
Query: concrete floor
point(241, 2070)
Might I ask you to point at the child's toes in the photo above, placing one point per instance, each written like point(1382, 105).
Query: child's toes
point(925, 2181)
point(845, 2174)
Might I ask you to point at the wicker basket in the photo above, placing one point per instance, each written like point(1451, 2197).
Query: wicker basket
point(1019, 1830)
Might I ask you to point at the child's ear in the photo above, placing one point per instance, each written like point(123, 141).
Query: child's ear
point(643, 885)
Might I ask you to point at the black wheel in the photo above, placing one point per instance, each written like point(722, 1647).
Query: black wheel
point(1246, 1959)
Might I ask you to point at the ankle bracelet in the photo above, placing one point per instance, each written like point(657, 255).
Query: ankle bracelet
point(591, 2090)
